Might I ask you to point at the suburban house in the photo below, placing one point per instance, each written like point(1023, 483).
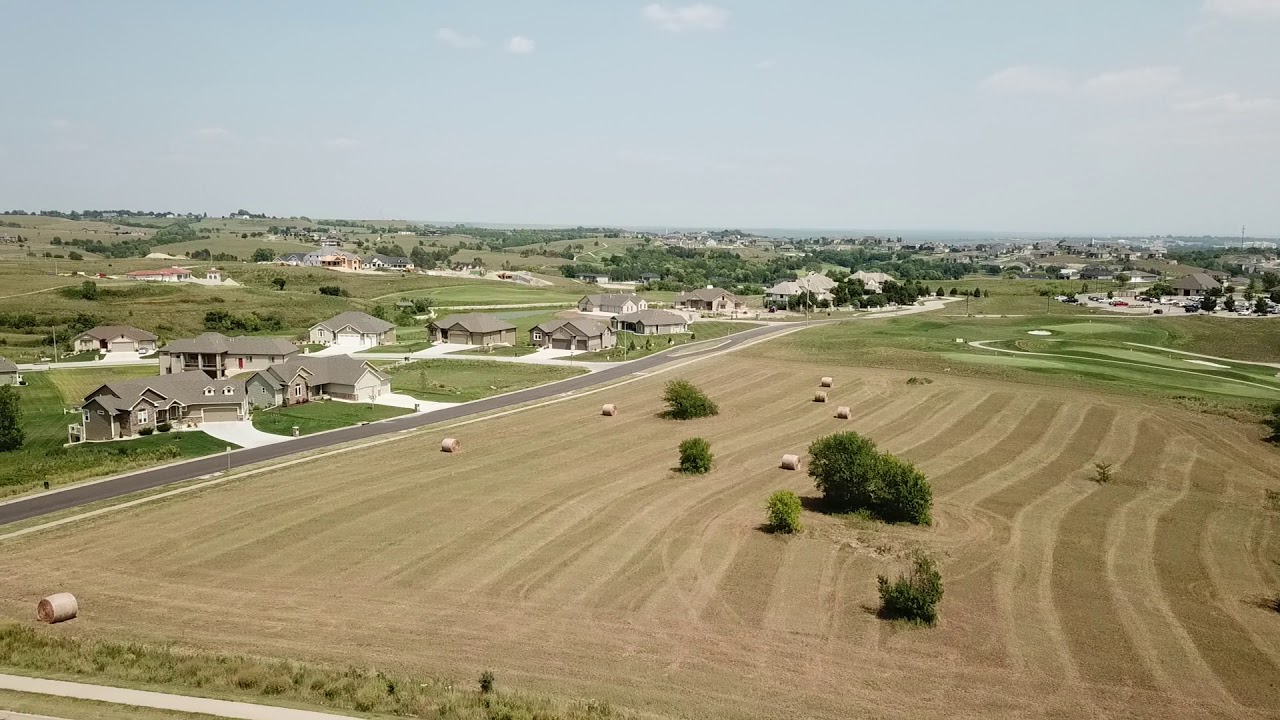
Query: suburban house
point(709, 299)
point(593, 278)
point(123, 409)
point(9, 374)
point(1095, 272)
point(353, 329)
point(646, 278)
point(613, 304)
point(651, 322)
point(1195, 284)
point(473, 329)
point(171, 274)
point(1139, 277)
point(218, 356)
point(575, 334)
point(115, 338)
point(818, 284)
point(294, 259)
point(303, 379)
point(338, 260)
point(873, 281)
point(388, 262)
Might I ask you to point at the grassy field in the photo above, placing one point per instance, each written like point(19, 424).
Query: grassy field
point(409, 339)
point(232, 243)
point(650, 344)
point(316, 417)
point(1093, 351)
point(466, 380)
point(561, 551)
point(43, 457)
point(488, 292)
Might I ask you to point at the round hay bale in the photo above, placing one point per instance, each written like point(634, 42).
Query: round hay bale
point(790, 462)
point(609, 410)
point(450, 445)
point(843, 412)
point(819, 396)
point(826, 382)
point(57, 607)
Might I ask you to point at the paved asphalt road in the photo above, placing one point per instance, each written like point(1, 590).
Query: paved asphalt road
point(148, 479)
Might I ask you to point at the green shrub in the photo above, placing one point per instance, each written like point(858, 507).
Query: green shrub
point(853, 476)
point(164, 427)
point(1102, 473)
point(784, 512)
point(695, 456)
point(913, 597)
point(486, 681)
point(146, 431)
point(686, 402)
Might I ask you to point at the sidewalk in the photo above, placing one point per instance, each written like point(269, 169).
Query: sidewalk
point(161, 701)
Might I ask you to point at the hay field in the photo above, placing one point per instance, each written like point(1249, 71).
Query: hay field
point(560, 550)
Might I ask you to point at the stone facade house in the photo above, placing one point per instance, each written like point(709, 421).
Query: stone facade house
point(473, 329)
point(710, 299)
point(304, 379)
point(353, 329)
point(575, 334)
point(124, 409)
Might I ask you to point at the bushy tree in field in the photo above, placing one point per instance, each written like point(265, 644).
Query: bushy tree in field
point(261, 255)
point(695, 456)
point(686, 402)
point(913, 596)
point(1274, 424)
point(279, 282)
point(11, 433)
point(853, 475)
point(783, 512)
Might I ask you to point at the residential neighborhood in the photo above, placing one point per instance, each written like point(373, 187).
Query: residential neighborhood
point(353, 330)
point(473, 329)
point(573, 334)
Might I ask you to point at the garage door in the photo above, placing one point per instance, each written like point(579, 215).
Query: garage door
point(562, 343)
point(229, 414)
point(349, 339)
point(124, 346)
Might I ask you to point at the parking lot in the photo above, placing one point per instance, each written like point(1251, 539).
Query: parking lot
point(1175, 306)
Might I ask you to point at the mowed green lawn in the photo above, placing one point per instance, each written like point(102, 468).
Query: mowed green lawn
point(440, 380)
point(1098, 351)
point(494, 293)
point(319, 416)
point(43, 457)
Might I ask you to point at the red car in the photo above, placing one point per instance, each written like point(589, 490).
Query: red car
point(1120, 303)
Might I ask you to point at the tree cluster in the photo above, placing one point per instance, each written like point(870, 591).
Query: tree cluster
point(686, 402)
point(222, 320)
point(854, 476)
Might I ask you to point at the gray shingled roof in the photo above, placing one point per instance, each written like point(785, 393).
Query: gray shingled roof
point(212, 342)
point(186, 388)
point(342, 369)
point(389, 259)
point(707, 294)
point(613, 299)
point(110, 332)
point(7, 365)
point(652, 317)
point(581, 327)
point(1196, 281)
point(362, 322)
point(475, 322)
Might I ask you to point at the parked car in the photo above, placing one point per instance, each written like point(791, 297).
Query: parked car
point(1071, 300)
point(1157, 311)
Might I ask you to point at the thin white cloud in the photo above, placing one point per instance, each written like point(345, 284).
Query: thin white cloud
point(342, 143)
point(1133, 83)
point(59, 123)
point(698, 16)
point(213, 132)
point(1243, 9)
point(1228, 104)
point(767, 64)
point(1029, 79)
point(521, 45)
point(455, 39)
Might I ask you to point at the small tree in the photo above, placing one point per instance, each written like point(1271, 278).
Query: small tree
point(842, 467)
point(261, 255)
point(695, 456)
point(73, 255)
point(1229, 304)
point(1274, 424)
point(783, 512)
point(914, 596)
point(905, 494)
point(686, 402)
point(11, 433)
point(1260, 305)
point(486, 681)
point(1102, 473)
point(1209, 303)
point(278, 282)
point(89, 290)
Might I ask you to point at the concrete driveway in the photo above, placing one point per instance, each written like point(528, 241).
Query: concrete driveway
point(240, 432)
point(409, 402)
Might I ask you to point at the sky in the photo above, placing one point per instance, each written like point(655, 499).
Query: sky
point(1059, 116)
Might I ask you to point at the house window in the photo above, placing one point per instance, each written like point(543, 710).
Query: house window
point(228, 390)
point(142, 416)
point(208, 391)
point(537, 336)
point(86, 417)
point(297, 391)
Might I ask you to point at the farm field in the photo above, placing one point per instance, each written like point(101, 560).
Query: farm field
point(560, 551)
point(316, 417)
point(489, 292)
point(43, 457)
point(455, 381)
